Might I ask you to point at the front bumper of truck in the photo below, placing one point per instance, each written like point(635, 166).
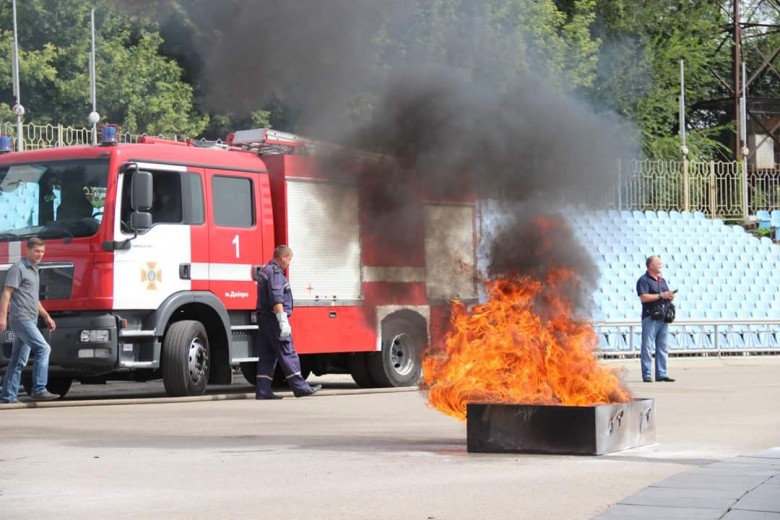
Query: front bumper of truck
point(89, 344)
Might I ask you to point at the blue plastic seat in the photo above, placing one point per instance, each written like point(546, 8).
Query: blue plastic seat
point(763, 218)
point(774, 222)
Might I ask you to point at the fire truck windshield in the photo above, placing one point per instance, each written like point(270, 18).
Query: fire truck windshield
point(57, 199)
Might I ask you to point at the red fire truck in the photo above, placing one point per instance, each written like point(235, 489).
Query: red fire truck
point(152, 250)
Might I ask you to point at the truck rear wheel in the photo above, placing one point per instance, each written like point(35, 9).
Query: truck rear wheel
point(358, 368)
point(399, 363)
point(186, 359)
point(55, 385)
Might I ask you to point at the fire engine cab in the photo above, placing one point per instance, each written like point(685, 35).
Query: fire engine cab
point(152, 249)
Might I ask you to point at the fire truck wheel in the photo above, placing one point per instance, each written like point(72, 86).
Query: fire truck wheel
point(55, 385)
point(359, 370)
point(185, 359)
point(249, 371)
point(399, 362)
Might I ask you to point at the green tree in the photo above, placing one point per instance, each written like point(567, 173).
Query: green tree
point(639, 69)
point(137, 87)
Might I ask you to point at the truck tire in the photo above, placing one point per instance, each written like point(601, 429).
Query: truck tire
point(359, 369)
point(399, 363)
point(249, 371)
point(186, 359)
point(55, 385)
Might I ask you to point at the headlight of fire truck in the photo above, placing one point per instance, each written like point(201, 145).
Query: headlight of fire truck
point(93, 336)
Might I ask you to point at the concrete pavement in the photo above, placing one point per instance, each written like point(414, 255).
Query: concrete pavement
point(343, 454)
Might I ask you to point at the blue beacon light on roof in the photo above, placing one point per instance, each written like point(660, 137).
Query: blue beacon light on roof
point(5, 144)
point(108, 136)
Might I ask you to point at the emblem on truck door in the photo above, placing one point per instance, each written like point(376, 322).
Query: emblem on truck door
point(151, 276)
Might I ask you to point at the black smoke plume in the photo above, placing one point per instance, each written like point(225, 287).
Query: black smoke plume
point(529, 148)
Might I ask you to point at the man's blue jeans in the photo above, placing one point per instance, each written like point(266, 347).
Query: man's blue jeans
point(654, 339)
point(28, 338)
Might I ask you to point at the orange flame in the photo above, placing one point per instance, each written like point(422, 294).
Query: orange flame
point(523, 347)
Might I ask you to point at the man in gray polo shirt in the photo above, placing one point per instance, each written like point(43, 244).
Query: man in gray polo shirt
point(22, 291)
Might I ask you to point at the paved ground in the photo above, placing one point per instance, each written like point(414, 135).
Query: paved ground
point(346, 454)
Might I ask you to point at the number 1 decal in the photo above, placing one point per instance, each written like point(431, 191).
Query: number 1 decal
point(236, 243)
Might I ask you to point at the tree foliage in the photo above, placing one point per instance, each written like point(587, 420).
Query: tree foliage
point(639, 69)
point(205, 68)
point(137, 87)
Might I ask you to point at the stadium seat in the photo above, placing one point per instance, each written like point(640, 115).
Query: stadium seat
point(763, 218)
point(723, 273)
point(774, 222)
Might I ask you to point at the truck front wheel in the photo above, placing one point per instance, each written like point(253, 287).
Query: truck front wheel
point(399, 363)
point(55, 385)
point(186, 359)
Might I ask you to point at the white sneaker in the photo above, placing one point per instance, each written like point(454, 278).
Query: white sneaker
point(45, 396)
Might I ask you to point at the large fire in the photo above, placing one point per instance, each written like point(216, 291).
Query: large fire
point(523, 346)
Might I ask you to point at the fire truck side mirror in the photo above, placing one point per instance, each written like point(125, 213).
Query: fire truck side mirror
point(141, 197)
point(140, 220)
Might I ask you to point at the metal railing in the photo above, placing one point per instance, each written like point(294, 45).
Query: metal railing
point(714, 188)
point(50, 136)
point(694, 337)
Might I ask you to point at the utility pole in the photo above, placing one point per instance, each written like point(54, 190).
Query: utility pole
point(18, 109)
point(737, 72)
point(94, 117)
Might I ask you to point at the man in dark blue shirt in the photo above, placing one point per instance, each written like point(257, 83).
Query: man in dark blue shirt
point(653, 290)
point(274, 306)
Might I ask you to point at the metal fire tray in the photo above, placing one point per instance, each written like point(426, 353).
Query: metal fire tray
point(577, 430)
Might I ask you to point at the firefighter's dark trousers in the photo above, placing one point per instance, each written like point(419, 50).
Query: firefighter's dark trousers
point(272, 349)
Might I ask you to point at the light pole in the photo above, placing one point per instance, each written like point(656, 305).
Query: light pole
point(684, 141)
point(94, 117)
point(18, 109)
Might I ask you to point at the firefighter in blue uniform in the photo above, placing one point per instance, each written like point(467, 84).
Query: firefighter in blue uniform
point(274, 306)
